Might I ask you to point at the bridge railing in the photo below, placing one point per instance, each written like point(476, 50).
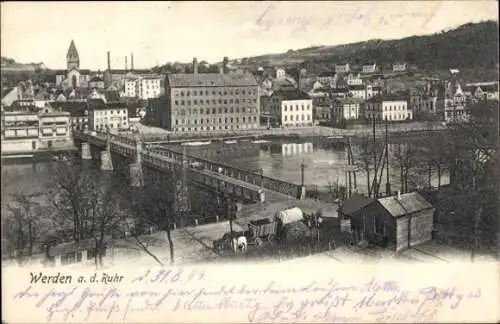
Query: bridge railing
point(287, 188)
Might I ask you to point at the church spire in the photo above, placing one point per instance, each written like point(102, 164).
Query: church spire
point(72, 58)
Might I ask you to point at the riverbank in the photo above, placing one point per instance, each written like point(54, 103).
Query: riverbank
point(37, 156)
point(152, 134)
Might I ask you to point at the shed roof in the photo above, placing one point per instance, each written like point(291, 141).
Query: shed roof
point(210, 80)
point(70, 247)
point(355, 203)
point(406, 204)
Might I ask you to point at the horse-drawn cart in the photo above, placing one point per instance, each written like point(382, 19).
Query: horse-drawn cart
point(262, 229)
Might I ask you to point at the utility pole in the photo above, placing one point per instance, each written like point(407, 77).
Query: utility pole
point(302, 167)
point(375, 190)
point(261, 171)
point(388, 183)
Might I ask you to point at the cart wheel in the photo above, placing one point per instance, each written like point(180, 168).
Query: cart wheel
point(271, 238)
point(259, 242)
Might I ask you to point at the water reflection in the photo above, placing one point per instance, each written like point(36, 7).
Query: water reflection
point(324, 165)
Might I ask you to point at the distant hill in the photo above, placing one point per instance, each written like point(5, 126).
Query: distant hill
point(474, 45)
point(8, 64)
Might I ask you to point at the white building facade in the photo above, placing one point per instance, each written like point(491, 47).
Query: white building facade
point(388, 108)
point(103, 118)
point(296, 113)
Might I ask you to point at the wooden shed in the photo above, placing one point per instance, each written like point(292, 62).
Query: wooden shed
point(399, 222)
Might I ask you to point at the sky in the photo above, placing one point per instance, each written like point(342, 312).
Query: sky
point(160, 32)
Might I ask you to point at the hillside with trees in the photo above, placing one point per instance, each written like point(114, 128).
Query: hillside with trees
point(473, 45)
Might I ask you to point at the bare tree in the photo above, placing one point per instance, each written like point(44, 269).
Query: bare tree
point(87, 203)
point(365, 160)
point(153, 206)
point(405, 156)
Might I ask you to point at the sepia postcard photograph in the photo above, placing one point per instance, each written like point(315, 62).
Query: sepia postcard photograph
point(250, 161)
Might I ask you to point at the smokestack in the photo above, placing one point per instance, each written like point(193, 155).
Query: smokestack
point(126, 63)
point(109, 60)
point(195, 66)
point(131, 61)
point(399, 195)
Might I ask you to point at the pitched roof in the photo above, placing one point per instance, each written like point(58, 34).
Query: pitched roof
point(357, 87)
point(96, 79)
point(292, 94)
point(406, 204)
point(355, 203)
point(390, 97)
point(210, 80)
point(72, 50)
point(73, 247)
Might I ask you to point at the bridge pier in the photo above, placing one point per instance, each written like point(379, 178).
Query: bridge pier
point(85, 153)
point(106, 162)
point(135, 168)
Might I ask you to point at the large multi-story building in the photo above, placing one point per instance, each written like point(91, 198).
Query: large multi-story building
point(20, 131)
point(103, 116)
point(30, 130)
point(55, 129)
point(207, 101)
point(148, 87)
point(456, 104)
point(388, 107)
point(293, 108)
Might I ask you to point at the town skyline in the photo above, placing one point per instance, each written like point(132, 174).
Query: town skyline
point(252, 28)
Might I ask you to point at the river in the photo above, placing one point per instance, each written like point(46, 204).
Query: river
point(282, 159)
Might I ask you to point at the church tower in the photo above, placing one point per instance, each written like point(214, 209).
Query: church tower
point(72, 58)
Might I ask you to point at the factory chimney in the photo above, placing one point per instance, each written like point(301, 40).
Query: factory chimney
point(126, 65)
point(109, 61)
point(195, 66)
point(131, 61)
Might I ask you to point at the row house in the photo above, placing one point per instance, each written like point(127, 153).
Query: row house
point(370, 68)
point(399, 67)
point(29, 130)
point(143, 87)
point(357, 91)
point(480, 90)
point(421, 103)
point(347, 109)
point(55, 129)
point(342, 68)
point(292, 108)
point(352, 79)
point(103, 116)
point(327, 79)
point(20, 131)
point(388, 107)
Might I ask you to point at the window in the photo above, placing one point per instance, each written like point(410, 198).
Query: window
point(285, 108)
point(291, 117)
point(302, 107)
point(285, 118)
